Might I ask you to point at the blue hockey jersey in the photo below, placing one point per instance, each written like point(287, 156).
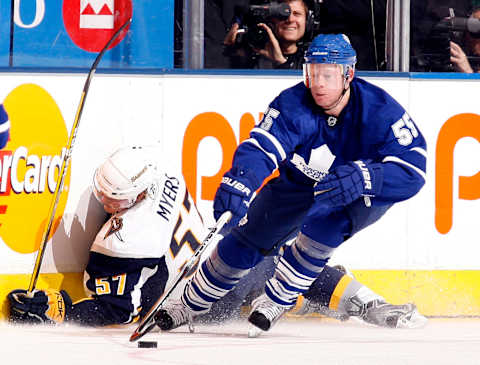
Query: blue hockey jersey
point(4, 127)
point(298, 137)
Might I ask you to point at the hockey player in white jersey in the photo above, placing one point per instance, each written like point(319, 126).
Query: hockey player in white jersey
point(154, 228)
point(346, 151)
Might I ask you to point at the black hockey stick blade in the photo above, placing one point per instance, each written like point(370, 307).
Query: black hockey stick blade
point(148, 322)
point(66, 160)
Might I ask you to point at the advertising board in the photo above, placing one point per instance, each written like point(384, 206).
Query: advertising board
point(427, 246)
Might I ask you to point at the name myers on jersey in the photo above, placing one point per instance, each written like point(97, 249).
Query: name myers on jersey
point(168, 197)
point(237, 185)
point(366, 174)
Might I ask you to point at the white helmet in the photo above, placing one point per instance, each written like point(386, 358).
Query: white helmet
point(124, 175)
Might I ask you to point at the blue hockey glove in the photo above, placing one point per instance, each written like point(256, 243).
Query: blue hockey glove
point(45, 306)
point(349, 182)
point(234, 194)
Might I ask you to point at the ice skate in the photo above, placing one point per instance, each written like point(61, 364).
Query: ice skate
point(308, 306)
point(383, 314)
point(265, 312)
point(174, 314)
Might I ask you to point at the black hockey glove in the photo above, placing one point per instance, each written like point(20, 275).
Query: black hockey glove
point(347, 183)
point(45, 306)
point(234, 194)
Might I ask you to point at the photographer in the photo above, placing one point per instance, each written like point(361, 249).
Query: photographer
point(283, 48)
point(435, 26)
point(461, 62)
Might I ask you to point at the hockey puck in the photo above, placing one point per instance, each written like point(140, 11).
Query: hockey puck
point(147, 344)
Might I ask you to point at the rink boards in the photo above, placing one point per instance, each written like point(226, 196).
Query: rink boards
point(424, 250)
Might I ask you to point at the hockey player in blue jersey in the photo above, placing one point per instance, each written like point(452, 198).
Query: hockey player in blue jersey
point(4, 127)
point(346, 152)
point(152, 231)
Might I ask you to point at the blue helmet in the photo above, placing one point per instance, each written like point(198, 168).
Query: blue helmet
point(332, 48)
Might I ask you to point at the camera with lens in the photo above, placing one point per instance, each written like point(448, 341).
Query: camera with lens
point(436, 52)
point(250, 33)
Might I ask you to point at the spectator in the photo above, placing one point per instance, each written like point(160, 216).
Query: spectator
point(285, 47)
point(461, 62)
point(217, 20)
point(430, 42)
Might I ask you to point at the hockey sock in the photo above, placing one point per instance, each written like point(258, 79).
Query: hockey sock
point(297, 269)
point(219, 273)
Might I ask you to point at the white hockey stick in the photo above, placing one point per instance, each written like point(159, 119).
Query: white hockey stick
point(63, 170)
point(148, 322)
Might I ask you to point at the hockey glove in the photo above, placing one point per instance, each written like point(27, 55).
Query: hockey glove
point(45, 306)
point(234, 194)
point(349, 182)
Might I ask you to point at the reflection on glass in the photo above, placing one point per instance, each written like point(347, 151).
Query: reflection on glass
point(68, 34)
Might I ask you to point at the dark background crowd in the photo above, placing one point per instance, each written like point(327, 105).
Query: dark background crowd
point(442, 37)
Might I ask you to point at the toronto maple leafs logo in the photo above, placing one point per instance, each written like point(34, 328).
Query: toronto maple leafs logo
point(331, 121)
point(116, 224)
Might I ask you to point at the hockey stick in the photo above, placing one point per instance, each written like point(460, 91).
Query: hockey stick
point(66, 160)
point(148, 322)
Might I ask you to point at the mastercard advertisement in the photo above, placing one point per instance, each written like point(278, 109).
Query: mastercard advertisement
point(30, 164)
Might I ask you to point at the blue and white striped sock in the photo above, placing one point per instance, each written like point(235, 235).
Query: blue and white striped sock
point(219, 273)
point(298, 267)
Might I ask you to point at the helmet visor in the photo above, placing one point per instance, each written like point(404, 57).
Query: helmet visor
point(110, 204)
point(329, 76)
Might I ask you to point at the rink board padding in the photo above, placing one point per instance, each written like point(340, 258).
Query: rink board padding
point(198, 133)
point(438, 293)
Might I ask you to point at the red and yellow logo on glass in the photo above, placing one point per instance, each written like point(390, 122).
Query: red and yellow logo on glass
point(29, 167)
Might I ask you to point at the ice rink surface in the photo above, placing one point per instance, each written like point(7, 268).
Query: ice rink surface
point(291, 341)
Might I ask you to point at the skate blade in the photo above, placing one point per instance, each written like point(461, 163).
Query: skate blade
point(413, 320)
point(254, 332)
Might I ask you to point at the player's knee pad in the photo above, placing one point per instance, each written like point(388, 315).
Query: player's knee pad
point(331, 227)
point(237, 253)
point(362, 216)
point(274, 216)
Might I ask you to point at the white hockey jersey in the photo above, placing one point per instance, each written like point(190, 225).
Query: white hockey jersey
point(139, 251)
